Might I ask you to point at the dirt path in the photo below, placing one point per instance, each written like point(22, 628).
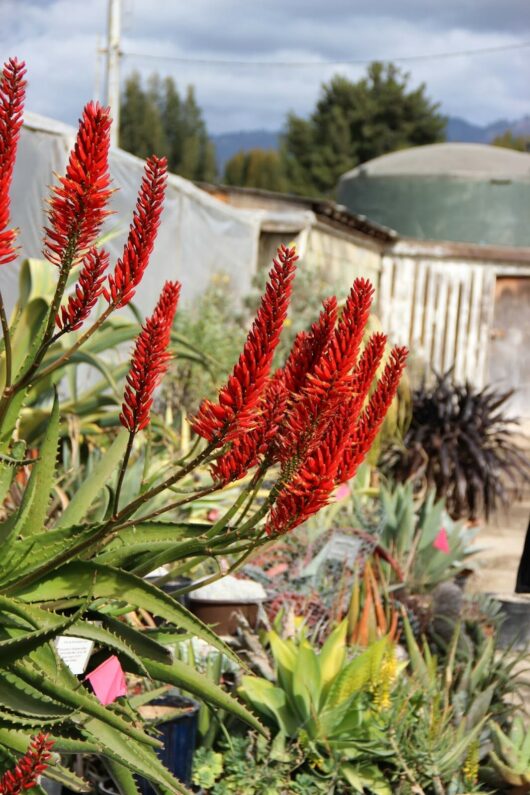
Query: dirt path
point(502, 539)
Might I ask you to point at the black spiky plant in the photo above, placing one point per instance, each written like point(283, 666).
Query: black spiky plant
point(462, 443)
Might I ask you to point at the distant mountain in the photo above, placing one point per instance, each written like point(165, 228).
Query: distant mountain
point(228, 144)
point(462, 130)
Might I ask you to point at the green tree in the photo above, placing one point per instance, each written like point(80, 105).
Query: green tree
point(257, 168)
point(354, 122)
point(521, 143)
point(141, 127)
point(197, 155)
point(156, 120)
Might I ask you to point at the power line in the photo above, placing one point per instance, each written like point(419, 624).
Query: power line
point(313, 64)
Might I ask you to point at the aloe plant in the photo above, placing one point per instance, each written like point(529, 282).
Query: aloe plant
point(322, 698)
point(74, 566)
point(510, 756)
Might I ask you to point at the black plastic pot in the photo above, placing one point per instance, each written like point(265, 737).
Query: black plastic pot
point(179, 736)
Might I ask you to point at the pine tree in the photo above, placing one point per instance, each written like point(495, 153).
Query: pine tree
point(156, 121)
point(354, 122)
point(141, 129)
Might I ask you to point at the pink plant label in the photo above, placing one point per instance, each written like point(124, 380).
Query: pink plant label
point(441, 542)
point(342, 492)
point(108, 681)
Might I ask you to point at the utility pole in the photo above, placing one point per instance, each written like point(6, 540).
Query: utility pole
point(113, 67)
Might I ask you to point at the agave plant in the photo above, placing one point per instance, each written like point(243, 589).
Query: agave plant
point(461, 443)
point(75, 567)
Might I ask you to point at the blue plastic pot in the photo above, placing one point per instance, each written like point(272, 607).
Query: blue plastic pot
point(179, 736)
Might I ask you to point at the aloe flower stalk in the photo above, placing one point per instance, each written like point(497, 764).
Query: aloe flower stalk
point(12, 94)
point(25, 774)
point(131, 266)
point(88, 288)
point(149, 361)
point(245, 451)
point(78, 205)
point(232, 415)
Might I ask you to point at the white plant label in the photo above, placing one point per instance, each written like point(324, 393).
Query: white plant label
point(74, 652)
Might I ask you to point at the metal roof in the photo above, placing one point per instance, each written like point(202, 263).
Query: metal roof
point(475, 161)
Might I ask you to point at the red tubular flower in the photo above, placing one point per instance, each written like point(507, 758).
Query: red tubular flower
point(87, 291)
point(309, 346)
point(12, 93)
point(28, 768)
point(233, 414)
point(78, 204)
point(330, 380)
point(309, 487)
point(142, 234)
point(149, 361)
point(246, 450)
point(366, 428)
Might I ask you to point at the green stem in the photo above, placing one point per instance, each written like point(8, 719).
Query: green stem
point(11, 390)
point(123, 469)
point(172, 505)
point(7, 343)
point(133, 506)
point(75, 347)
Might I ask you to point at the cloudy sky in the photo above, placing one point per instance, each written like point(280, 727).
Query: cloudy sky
point(59, 39)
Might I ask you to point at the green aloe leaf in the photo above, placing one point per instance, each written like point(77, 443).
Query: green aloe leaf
point(186, 677)
point(122, 777)
point(79, 699)
point(77, 578)
point(136, 756)
point(92, 486)
point(34, 508)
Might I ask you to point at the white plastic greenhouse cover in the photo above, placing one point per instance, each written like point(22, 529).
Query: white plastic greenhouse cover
point(198, 235)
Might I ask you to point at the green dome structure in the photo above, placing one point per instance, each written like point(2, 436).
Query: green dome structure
point(472, 193)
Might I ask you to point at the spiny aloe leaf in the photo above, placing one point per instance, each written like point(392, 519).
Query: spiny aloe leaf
point(135, 755)
point(186, 677)
point(147, 539)
point(76, 578)
point(142, 644)
point(22, 643)
point(92, 486)
point(80, 699)
point(122, 777)
point(34, 507)
point(111, 637)
point(33, 553)
point(28, 335)
point(17, 695)
point(7, 428)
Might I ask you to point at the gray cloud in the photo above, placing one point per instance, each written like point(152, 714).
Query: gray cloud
point(58, 38)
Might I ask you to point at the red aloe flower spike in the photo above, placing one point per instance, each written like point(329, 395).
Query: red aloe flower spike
point(309, 346)
point(27, 770)
point(78, 205)
point(87, 291)
point(368, 424)
point(149, 361)
point(12, 94)
point(330, 381)
point(232, 415)
point(246, 450)
point(365, 371)
point(130, 268)
point(309, 487)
